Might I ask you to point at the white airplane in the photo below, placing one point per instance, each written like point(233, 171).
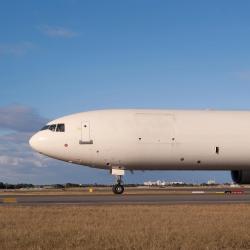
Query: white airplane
point(135, 139)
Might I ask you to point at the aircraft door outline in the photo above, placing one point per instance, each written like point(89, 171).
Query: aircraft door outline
point(85, 133)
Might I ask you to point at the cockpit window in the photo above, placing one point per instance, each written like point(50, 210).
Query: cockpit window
point(60, 127)
point(55, 127)
point(52, 127)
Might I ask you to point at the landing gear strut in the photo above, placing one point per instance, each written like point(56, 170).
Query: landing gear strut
point(118, 188)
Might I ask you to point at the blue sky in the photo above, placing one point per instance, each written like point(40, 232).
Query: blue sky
point(61, 57)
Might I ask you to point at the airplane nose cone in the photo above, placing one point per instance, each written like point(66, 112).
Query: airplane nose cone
point(38, 142)
point(33, 142)
point(41, 143)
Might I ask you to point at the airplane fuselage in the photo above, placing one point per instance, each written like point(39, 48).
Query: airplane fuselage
point(150, 139)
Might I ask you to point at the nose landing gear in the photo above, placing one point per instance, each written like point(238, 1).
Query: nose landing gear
point(118, 188)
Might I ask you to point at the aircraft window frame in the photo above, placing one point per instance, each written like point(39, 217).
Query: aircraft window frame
point(60, 127)
point(52, 127)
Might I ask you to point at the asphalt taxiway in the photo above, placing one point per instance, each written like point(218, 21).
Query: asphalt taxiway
point(125, 199)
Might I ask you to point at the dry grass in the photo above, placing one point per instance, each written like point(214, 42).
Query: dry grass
point(125, 227)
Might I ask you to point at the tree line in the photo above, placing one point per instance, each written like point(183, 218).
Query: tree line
point(56, 186)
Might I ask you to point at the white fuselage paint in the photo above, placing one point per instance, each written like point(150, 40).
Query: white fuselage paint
point(151, 140)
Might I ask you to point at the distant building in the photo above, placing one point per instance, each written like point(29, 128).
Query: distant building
point(163, 183)
point(211, 182)
point(234, 185)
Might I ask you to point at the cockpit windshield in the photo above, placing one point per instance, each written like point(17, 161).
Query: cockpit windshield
point(52, 127)
point(55, 127)
point(60, 127)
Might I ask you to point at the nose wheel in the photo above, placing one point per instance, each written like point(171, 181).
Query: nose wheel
point(118, 188)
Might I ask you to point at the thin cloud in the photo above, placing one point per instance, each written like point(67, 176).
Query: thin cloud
point(20, 118)
point(17, 49)
point(58, 31)
point(17, 160)
point(17, 152)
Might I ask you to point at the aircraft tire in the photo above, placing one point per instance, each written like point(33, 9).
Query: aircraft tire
point(118, 189)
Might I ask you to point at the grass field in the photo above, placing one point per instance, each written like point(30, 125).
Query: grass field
point(125, 227)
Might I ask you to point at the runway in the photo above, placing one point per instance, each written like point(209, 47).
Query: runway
point(125, 199)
